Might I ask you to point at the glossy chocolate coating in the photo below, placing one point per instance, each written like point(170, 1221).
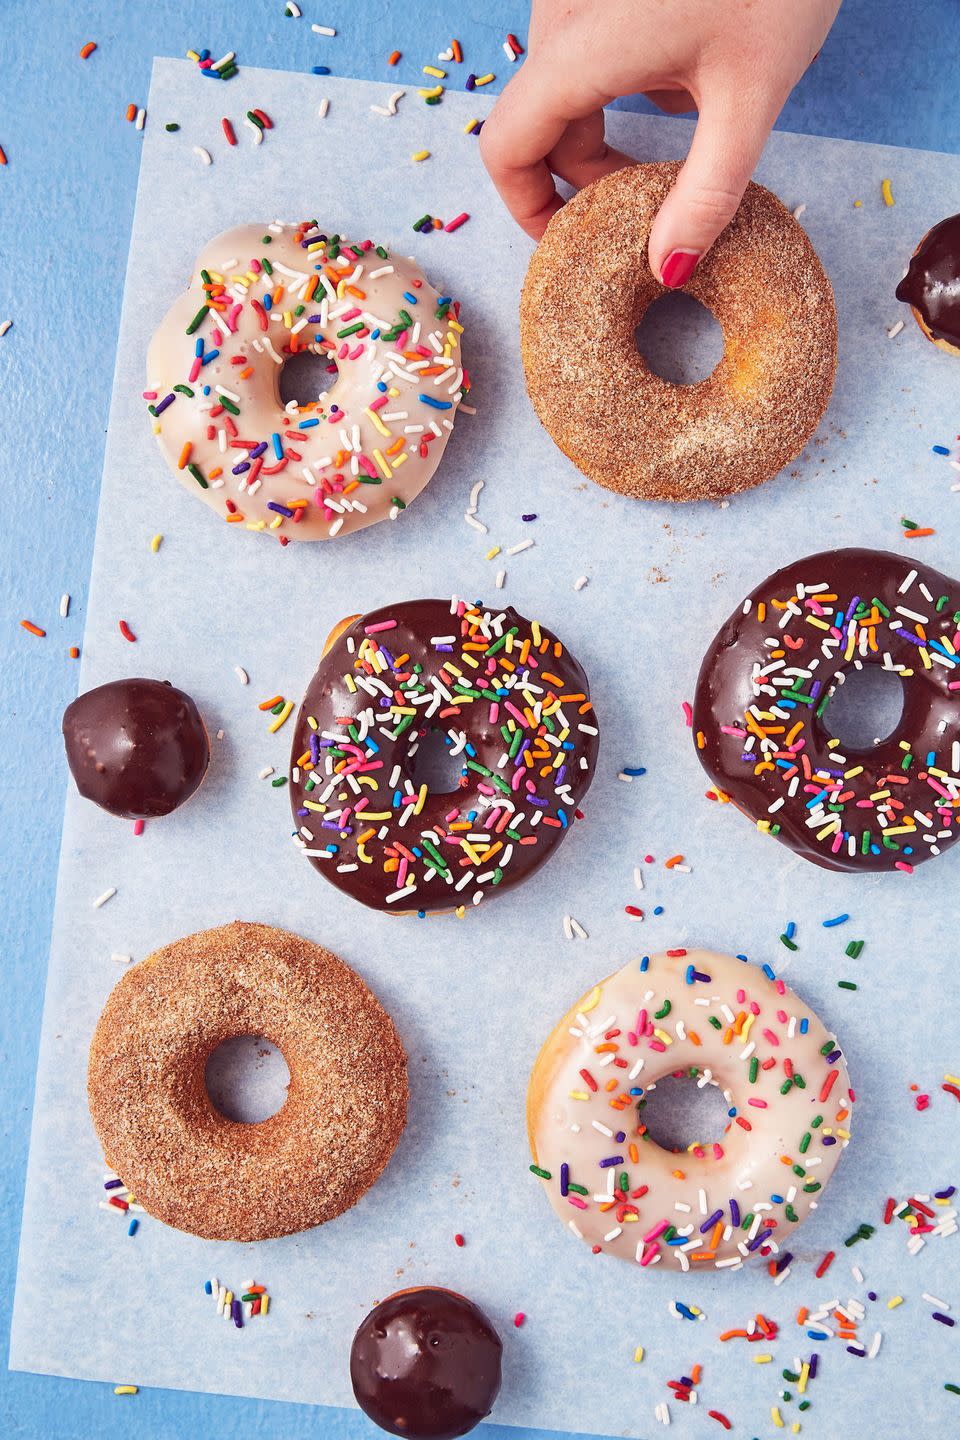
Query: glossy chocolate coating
point(357, 865)
point(425, 1363)
point(831, 780)
point(932, 283)
point(137, 748)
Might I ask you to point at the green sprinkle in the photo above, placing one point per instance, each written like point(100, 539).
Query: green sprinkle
point(350, 330)
point(754, 1069)
point(954, 1389)
point(198, 319)
point(785, 939)
point(184, 390)
point(229, 405)
point(254, 119)
point(198, 476)
point(172, 126)
point(854, 948)
point(846, 985)
point(577, 1189)
point(805, 1142)
point(280, 780)
point(543, 1174)
point(712, 1020)
point(663, 1012)
point(400, 504)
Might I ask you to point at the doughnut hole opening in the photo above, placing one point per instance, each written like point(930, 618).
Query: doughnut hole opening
point(679, 1113)
point(866, 709)
point(680, 339)
point(247, 1078)
point(306, 377)
point(433, 765)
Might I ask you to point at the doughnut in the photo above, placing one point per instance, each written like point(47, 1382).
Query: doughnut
point(931, 286)
point(587, 288)
point(508, 700)
point(137, 748)
point(190, 1166)
point(425, 1363)
point(695, 1014)
point(761, 718)
point(360, 452)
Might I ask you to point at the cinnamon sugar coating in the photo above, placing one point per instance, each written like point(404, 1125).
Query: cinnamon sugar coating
point(586, 290)
point(190, 1166)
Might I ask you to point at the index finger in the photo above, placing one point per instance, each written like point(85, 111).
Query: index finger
point(523, 128)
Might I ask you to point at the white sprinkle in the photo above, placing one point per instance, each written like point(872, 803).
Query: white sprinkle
point(799, 211)
point(241, 674)
point(638, 877)
point(224, 60)
point(894, 330)
point(265, 773)
point(323, 30)
point(937, 1303)
point(391, 106)
point(107, 895)
point(64, 606)
point(501, 576)
point(524, 545)
point(257, 132)
point(567, 928)
point(579, 584)
point(578, 929)
point(121, 959)
point(203, 155)
point(5, 326)
point(476, 524)
point(324, 109)
point(141, 118)
point(293, 10)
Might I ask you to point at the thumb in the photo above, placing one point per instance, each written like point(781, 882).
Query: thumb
point(726, 146)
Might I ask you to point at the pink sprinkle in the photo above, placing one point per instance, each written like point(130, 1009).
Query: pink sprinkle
point(902, 864)
point(922, 1102)
point(150, 394)
point(760, 1104)
point(379, 403)
point(717, 1151)
point(769, 1036)
point(575, 1200)
point(380, 625)
point(649, 1253)
point(687, 713)
point(138, 827)
point(456, 222)
point(651, 1235)
point(194, 369)
point(519, 1318)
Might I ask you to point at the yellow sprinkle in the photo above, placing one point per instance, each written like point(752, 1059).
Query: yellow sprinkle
point(155, 543)
point(314, 805)
point(461, 911)
point(886, 192)
point(264, 1304)
point(535, 632)
point(762, 1359)
point(125, 1389)
point(491, 553)
point(433, 94)
point(279, 719)
point(857, 205)
point(442, 75)
point(421, 800)
point(192, 55)
point(804, 1373)
point(579, 1095)
point(381, 462)
point(275, 524)
point(592, 1000)
point(638, 1354)
point(156, 427)
point(420, 155)
point(484, 79)
point(952, 1079)
point(468, 128)
point(372, 415)
point(777, 1417)
point(256, 524)
point(400, 459)
point(894, 1301)
point(455, 325)
point(666, 1040)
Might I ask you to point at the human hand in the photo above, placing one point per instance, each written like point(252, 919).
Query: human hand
point(734, 61)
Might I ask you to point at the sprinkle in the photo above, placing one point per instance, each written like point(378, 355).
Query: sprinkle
point(88, 49)
point(126, 1389)
point(126, 632)
point(459, 1241)
point(420, 155)
point(5, 326)
point(323, 30)
point(228, 131)
point(33, 629)
point(456, 222)
point(579, 584)
point(203, 155)
point(102, 899)
point(519, 1318)
point(324, 109)
point(886, 192)
point(155, 543)
point(837, 920)
point(894, 330)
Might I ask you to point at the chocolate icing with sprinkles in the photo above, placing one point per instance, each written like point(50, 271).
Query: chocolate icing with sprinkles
point(586, 290)
point(190, 1166)
point(512, 704)
point(765, 685)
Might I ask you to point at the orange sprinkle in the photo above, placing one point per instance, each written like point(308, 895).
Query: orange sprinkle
point(802, 1314)
point(394, 58)
point(3, 156)
point(457, 52)
point(34, 629)
point(269, 704)
point(634, 1153)
point(185, 455)
point(674, 859)
point(131, 111)
point(88, 49)
point(695, 1374)
point(74, 653)
point(218, 470)
point(734, 1335)
point(246, 373)
point(917, 533)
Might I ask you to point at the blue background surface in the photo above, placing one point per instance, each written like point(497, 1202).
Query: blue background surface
point(66, 203)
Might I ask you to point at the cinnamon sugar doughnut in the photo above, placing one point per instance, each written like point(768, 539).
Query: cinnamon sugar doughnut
point(190, 1166)
point(586, 290)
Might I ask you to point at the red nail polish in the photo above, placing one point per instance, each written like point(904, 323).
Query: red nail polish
point(678, 267)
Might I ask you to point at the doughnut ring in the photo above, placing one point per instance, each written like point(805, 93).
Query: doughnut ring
point(359, 453)
point(761, 710)
point(586, 289)
point(510, 703)
point(727, 1023)
point(190, 1166)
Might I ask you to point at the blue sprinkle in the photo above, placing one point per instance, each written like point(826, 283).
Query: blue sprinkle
point(207, 1287)
point(644, 963)
point(791, 930)
point(562, 818)
point(133, 1227)
point(940, 450)
point(769, 972)
point(307, 424)
point(210, 355)
point(381, 386)
point(634, 770)
point(804, 1025)
point(436, 404)
point(408, 296)
point(837, 920)
point(198, 349)
point(277, 445)
point(268, 302)
point(320, 70)
point(658, 910)
point(689, 975)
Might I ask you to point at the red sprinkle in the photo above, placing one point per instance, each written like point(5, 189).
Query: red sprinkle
point(718, 1415)
point(888, 1210)
point(951, 1090)
point(519, 1318)
point(126, 632)
point(459, 1240)
point(825, 1264)
point(228, 130)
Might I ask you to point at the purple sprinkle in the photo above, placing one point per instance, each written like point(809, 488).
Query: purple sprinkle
point(239, 469)
point(945, 1194)
point(611, 1160)
point(236, 1310)
point(783, 1261)
point(734, 1212)
point(471, 82)
point(280, 509)
point(620, 1136)
point(112, 1184)
point(564, 1178)
point(814, 1362)
point(258, 450)
point(944, 1319)
point(852, 1349)
point(159, 409)
point(528, 517)
point(710, 1221)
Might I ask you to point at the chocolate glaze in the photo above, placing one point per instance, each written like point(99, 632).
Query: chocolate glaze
point(932, 283)
point(929, 723)
point(425, 1363)
point(137, 748)
point(329, 700)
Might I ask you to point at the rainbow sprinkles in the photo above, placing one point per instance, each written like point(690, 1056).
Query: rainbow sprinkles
point(505, 703)
point(358, 453)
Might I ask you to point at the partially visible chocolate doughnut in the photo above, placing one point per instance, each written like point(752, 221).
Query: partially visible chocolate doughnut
point(761, 710)
point(586, 290)
point(192, 1167)
point(501, 693)
point(137, 748)
point(931, 286)
point(425, 1363)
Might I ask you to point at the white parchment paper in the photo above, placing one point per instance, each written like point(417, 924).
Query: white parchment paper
point(474, 1000)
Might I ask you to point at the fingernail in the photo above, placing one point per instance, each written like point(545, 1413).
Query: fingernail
point(678, 267)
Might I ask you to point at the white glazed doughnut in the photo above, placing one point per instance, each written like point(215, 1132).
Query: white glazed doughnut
point(733, 1025)
point(367, 446)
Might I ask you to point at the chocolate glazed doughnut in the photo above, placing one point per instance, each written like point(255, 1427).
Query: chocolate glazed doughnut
point(585, 292)
point(931, 286)
point(513, 708)
point(761, 713)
